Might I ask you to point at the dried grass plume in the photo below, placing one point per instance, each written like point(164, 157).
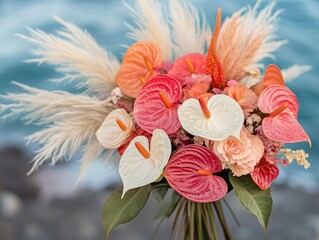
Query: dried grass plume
point(246, 38)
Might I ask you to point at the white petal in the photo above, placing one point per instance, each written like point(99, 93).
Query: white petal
point(110, 135)
point(226, 119)
point(137, 171)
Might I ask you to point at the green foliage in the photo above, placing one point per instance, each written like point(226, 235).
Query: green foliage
point(159, 193)
point(118, 211)
point(257, 201)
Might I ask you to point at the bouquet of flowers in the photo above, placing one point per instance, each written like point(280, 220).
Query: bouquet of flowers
point(186, 109)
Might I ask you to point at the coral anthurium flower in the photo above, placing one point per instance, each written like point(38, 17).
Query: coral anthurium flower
point(142, 164)
point(272, 76)
point(264, 174)
point(116, 129)
point(156, 106)
point(282, 106)
point(216, 119)
point(190, 172)
point(138, 67)
point(193, 63)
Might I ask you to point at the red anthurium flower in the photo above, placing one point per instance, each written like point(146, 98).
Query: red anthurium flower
point(190, 172)
point(264, 174)
point(281, 125)
point(193, 63)
point(156, 106)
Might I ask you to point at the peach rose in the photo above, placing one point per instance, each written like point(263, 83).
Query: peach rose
point(240, 157)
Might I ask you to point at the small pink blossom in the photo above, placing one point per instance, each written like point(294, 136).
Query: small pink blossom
point(240, 157)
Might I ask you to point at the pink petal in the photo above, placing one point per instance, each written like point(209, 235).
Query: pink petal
point(180, 69)
point(182, 174)
point(149, 110)
point(275, 96)
point(264, 174)
point(284, 126)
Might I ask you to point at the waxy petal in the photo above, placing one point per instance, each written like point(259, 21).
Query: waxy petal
point(181, 69)
point(283, 125)
point(150, 111)
point(275, 96)
point(136, 170)
point(273, 76)
point(226, 119)
point(183, 173)
point(264, 174)
point(110, 134)
point(138, 67)
point(284, 128)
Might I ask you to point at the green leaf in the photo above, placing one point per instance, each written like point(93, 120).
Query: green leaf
point(160, 193)
point(257, 201)
point(118, 211)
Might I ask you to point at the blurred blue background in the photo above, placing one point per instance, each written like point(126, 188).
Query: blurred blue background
point(299, 23)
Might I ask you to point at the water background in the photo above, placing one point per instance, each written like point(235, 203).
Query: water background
point(299, 23)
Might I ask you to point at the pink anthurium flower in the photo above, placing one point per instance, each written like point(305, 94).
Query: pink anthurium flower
point(138, 67)
point(193, 63)
point(282, 106)
point(190, 172)
point(264, 174)
point(156, 106)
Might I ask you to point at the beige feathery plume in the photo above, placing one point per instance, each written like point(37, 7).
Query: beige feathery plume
point(151, 25)
point(294, 72)
point(92, 152)
point(77, 55)
point(190, 32)
point(72, 122)
point(288, 74)
point(246, 38)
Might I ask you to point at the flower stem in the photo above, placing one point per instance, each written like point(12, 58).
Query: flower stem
point(222, 220)
point(212, 220)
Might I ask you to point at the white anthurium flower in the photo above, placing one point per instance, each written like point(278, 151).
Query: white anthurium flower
point(116, 129)
point(142, 164)
point(215, 120)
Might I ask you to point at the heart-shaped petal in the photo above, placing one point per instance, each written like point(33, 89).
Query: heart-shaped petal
point(141, 164)
point(115, 129)
point(190, 172)
point(273, 76)
point(281, 125)
point(193, 63)
point(138, 67)
point(264, 174)
point(156, 106)
point(220, 118)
